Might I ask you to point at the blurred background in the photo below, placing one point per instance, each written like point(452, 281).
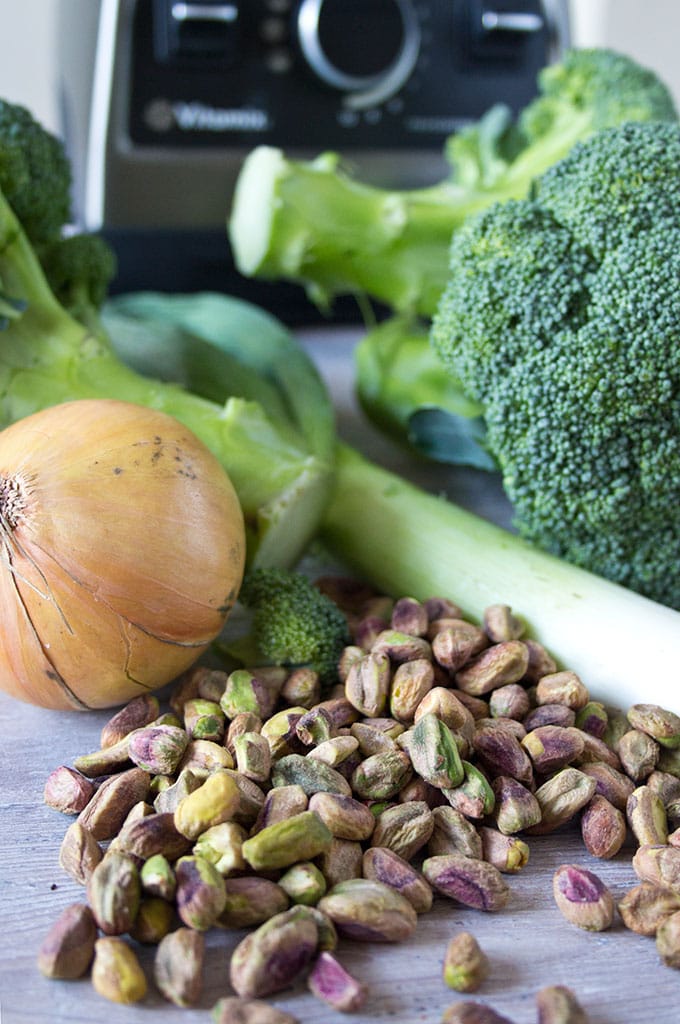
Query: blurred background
point(156, 181)
point(646, 30)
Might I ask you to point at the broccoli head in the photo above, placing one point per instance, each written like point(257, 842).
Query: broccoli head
point(294, 623)
point(35, 179)
point(35, 174)
point(79, 269)
point(605, 87)
point(562, 318)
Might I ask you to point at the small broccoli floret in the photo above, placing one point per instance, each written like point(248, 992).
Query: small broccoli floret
point(605, 86)
point(294, 624)
point(35, 179)
point(562, 319)
point(79, 270)
point(35, 174)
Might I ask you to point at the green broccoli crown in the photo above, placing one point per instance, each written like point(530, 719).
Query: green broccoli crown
point(609, 87)
point(294, 623)
point(79, 270)
point(35, 174)
point(562, 318)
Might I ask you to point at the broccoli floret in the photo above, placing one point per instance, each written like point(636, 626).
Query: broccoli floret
point(314, 223)
point(35, 179)
point(79, 270)
point(35, 174)
point(294, 624)
point(562, 318)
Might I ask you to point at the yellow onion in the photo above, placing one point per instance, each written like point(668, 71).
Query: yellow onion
point(123, 549)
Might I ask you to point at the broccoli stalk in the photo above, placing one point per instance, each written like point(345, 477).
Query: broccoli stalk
point(313, 223)
point(276, 447)
point(407, 541)
point(406, 391)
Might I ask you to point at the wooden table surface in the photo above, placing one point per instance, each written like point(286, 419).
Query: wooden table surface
point(617, 975)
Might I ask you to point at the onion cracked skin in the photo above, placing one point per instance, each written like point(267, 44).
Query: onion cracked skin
point(122, 549)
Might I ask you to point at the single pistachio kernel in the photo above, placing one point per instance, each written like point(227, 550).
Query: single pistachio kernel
point(603, 828)
point(668, 941)
point(67, 790)
point(212, 803)
point(502, 663)
point(386, 866)
point(341, 861)
point(302, 837)
point(68, 948)
point(154, 920)
point(136, 714)
point(312, 775)
point(367, 684)
point(178, 966)
point(79, 853)
point(434, 753)
point(251, 900)
point(154, 834)
point(646, 906)
point(557, 1004)
point(345, 817)
point(368, 911)
point(474, 797)
point(158, 748)
point(333, 984)
point(381, 776)
point(404, 828)
point(465, 964)
point(469, 1012)
point(303, 883)
point(474, 883)
point(273, 956)
point(582, 898)
point(158, 877)
point(201, 894)
point(234, 1010)
point(114, 892)
point(116, 972)
point(453, 833)
point(104, 815)
point(646, 816)
point(509, 854)
point(222, 846)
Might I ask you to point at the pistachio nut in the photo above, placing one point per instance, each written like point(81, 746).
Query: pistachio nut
point(116, 972)
point(333, 984)
point(469, 881)
point(201, 894)
point(215, 801)
point(68, 948)
point(114, 892)
point(301, 837)
point(582, 898)
point(369, 911)
point(273, 956)
point(465, 964)
point(178, 966)
point(67, 790)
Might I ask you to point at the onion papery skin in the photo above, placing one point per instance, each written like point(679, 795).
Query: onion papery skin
point(123, 550)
